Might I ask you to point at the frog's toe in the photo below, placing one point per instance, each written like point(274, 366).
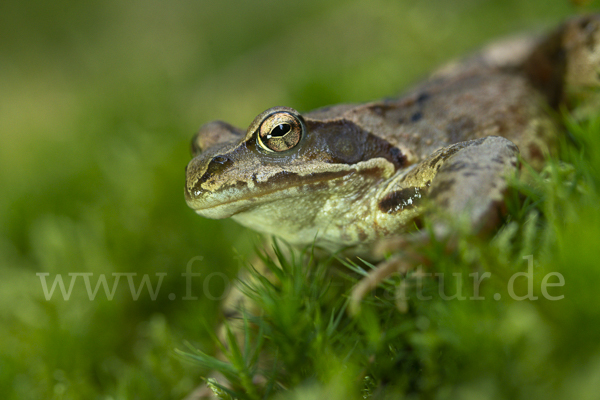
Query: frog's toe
point(407, 257)
point(396, 264)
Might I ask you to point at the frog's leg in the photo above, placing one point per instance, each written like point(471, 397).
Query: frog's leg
point(235, 305)
point(472, 181)
point(467, 181)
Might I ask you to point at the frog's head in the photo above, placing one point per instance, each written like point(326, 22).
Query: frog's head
point(284, 167)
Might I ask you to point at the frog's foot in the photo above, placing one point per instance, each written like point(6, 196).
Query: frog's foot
point(236, 304)
point(466, 193)
point(401, 263)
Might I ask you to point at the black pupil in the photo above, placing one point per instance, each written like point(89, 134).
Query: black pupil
point(281, 130)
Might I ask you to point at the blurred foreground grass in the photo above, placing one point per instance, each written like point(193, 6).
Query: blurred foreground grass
point(98, 101)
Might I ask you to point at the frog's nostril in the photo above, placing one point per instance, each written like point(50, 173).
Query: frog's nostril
point(214, 168)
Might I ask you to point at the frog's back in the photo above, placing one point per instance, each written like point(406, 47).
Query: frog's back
point(506, 90)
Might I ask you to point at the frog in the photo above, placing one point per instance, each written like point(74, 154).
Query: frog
point(344, 177)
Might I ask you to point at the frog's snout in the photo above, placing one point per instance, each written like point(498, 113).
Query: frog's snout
point(201, 174)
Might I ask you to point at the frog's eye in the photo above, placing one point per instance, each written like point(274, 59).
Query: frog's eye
point(280, 131)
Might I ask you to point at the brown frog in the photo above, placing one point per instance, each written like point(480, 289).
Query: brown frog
point(351, 174)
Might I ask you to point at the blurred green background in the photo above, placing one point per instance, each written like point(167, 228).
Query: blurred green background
point(98, 102)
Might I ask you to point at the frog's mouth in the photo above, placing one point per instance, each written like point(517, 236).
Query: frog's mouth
point(239, 197)
point(213, 200)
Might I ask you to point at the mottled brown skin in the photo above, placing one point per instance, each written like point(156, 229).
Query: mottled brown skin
point(353, 174)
